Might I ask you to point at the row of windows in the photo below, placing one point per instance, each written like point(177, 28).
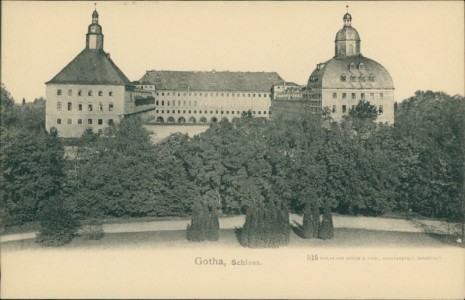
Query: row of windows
point(89, 121)
point(361, 66)
point(344, 109)
point(353, 96)
point(362, 78)
point(173, 103)
point(192, 120)
point(90, 106)
point(216, 94)
point(79, 92)
point(211, 112)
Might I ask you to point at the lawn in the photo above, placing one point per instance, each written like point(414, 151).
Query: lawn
point(343, 237)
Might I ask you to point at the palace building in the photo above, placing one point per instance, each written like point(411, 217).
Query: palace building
point(339, 83)
point(91, 91)
point(208, 97)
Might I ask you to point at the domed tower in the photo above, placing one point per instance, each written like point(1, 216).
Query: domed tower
point(347, 39)
point(94, 36)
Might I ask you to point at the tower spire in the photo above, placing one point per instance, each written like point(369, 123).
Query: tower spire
point(94, 37)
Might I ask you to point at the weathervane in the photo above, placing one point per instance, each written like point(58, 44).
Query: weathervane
point(347, 6)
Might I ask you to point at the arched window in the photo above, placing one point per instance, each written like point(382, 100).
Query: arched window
point(353, 78)
point(352, 66)
point(170, 120)
point(371, 78)
point(181, 120)
point(343, 77)
point(160, 120)
point(192, 120)
point(214, 120)
point(203, 120)
point(224, 119)
point(361, 66)
point(362, 78)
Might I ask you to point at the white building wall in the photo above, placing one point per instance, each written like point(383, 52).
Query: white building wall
point(70, 112)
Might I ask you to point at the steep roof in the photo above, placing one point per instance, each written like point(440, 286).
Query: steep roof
point(330, 74)
point(91, 66)
point(212, 81)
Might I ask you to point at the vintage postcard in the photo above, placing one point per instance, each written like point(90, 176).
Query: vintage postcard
point(232, 149)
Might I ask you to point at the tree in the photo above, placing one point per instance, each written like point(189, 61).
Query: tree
point(32, 173)
point(204, 224)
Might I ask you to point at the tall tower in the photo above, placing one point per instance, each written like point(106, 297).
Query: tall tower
point(94, 36)
point(347, 39)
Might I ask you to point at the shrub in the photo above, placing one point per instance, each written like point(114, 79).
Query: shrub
point(204, 225)
point(311, 221)
point(266, 225)
point(326, 229)
point(57, 225)
point(93, 230)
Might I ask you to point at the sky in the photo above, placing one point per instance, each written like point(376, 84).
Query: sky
point(421, 44)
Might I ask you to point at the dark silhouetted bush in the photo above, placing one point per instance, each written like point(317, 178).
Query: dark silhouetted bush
point(266, 226)
point(204, 225)
point(326, 229)
point(57, 225)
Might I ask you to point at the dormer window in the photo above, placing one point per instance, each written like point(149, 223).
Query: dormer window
point(371, 78)
point(353, 78)
point(361, 66)
point(352, 66)
point(362, 78)
point(343, 77)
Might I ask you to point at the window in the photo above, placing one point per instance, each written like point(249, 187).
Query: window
point(89, 121)
point(100, 106)
point(334, 95)
point(89, 106)
point(343, 77)
point(59, 92)
point(344, 95)
point(100, 121)
point(334, 109)
point(381, 109)
point(372, 96)
point(163, 94)
point(163, 103)
point(353, 96)
point(352, 66)
point(344, 109)
point(157, 103)
point(179, 103)
point(80, 106)
point(70, 106)
point(59, 121)
point(259, 95)
point(167, 94)
point(179, 111)
point(189, 111)
point(70, 92)
point(110, 93)
point(184, 102)
point(381, 96)
point(353, 107)
point(79, 121)
point(227, 112)
point(89, 93)
point(168, 103)
point(371, 78)
point(58, 106)
point(79, 92)
point(70, 121)
point(352, 78)
point(190, 103)
point(264, 112)
point(254, 95)
point(362, 95)
point(162, 111)
point(362, 78)
point(110, 122)
point(158, 94)
point(195, 103)
point(361, 66)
